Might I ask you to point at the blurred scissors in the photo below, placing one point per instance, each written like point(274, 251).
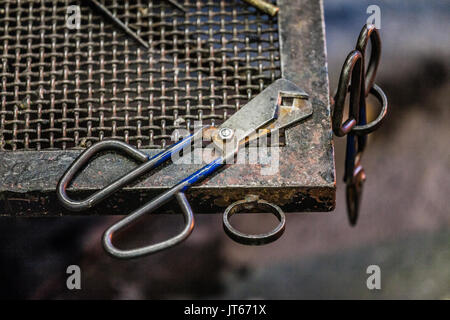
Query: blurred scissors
point(280, 105)
point(356, 127)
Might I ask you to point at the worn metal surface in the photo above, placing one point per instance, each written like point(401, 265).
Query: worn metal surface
point(305, 181)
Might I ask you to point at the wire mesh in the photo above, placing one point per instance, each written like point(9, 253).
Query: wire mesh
point(63, 88)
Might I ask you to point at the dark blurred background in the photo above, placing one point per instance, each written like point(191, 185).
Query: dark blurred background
point(404, 225)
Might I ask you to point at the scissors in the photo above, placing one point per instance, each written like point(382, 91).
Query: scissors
point(279, 106)
point(360, 83)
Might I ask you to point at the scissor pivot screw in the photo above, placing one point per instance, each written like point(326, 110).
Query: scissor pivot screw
point(226, 133)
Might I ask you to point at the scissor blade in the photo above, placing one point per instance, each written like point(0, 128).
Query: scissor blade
point(266, 110)
point(294, 106)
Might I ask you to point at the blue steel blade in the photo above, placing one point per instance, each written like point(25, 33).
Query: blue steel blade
point(202, 173)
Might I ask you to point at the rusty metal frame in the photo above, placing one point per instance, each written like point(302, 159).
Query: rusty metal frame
point(306, 178)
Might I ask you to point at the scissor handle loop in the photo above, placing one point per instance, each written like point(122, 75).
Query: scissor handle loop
point(149, 207)
point(359, 83)
point(378, 93)
point(349, 80)
point(148, 163)
point(81, 161)
point(369, 32)
point(176, 191)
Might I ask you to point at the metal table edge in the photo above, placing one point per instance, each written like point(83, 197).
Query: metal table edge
point(29, 177)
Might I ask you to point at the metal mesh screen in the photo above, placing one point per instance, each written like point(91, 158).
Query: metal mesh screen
point(63, 88)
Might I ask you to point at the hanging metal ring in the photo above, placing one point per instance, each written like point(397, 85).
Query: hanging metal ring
point(253, 239)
